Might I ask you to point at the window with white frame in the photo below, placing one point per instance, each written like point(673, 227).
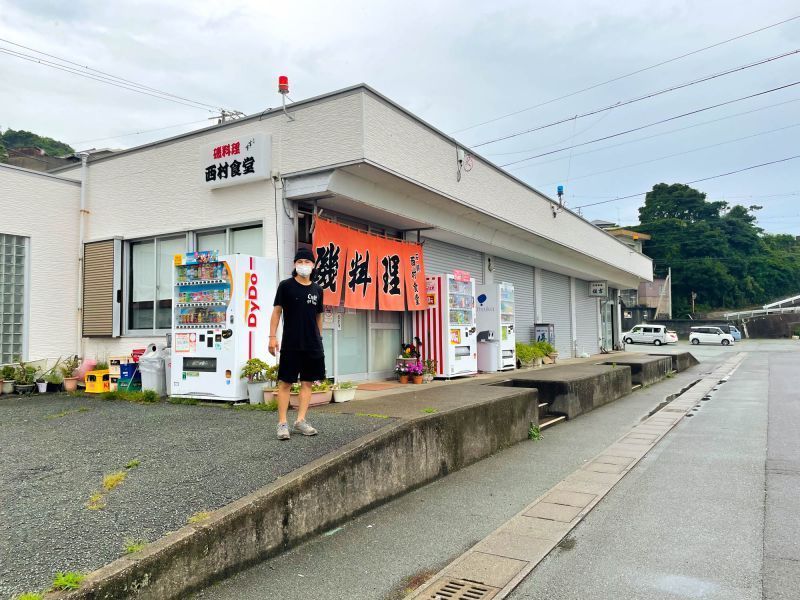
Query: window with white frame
point(150, 264)
point(13, 253)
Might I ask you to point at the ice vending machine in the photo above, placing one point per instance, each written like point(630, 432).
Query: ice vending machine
point(447, 327)
point(221, 307)
point(496, 313)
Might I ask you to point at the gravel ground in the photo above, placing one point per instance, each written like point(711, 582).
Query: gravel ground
point(55, 451)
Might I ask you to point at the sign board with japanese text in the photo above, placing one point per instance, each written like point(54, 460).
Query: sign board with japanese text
point(431, 294)
point(373, 271)
point(598, 289)
point(237, 160)
point(462, 276)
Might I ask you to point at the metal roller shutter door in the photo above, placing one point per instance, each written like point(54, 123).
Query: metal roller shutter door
point(441, 258)
point(556, 309)
point(521, 276)
point(586, 319)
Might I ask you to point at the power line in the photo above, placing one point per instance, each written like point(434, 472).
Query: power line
point(109, 75)
point(698, 149)
point(648, 137)
point(639, 98)
point(773, 162)
point(642, 70)
point(113, 137)
point(680, 116)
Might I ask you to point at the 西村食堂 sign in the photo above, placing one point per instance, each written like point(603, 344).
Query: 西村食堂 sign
point(237, 160)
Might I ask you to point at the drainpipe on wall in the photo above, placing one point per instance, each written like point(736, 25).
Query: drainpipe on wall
point(82, 210)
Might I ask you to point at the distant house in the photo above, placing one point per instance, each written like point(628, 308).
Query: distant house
point(36, 159)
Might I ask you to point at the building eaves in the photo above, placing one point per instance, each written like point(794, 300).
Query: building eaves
point(39, 173)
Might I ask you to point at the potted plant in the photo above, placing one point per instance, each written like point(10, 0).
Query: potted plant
point(271, 381)
point(255, 371)
point(416, 371)
point(68, 369)
point(525, 353)
point(25, 378)
point(548, 350)
point(41, 382)
point(401, 368)
point(343, 391)
point(7, 374)
point(430, 370)
point(321, 393)
point(44, 375)
point(54, 381)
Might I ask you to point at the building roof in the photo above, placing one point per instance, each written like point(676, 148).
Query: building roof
point(622, 232)
point(39, 173)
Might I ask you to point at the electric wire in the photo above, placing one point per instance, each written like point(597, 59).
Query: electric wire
point(105, 74)
point(772, 162)
point(642, 70)
point(659, 122)
point(113, 137)
point(639, 98)
point(697, 149)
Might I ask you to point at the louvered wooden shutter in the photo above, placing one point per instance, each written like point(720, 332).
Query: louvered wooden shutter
point(100, 284)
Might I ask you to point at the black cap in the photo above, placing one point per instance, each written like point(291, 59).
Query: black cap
point(304, 254)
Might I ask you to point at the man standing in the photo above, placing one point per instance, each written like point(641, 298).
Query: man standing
point(299, 301)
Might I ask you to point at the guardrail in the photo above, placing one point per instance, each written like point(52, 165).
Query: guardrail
point(762, 312)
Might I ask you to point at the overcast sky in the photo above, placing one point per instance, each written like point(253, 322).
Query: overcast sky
point(453, 63)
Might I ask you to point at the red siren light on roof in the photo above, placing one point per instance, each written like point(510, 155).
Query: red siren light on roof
point(283, 84)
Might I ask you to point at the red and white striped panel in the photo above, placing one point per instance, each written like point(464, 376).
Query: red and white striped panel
point(428, 328)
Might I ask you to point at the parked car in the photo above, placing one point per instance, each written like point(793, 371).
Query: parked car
point(650, 334)
point(726, 328)
point(710, 335)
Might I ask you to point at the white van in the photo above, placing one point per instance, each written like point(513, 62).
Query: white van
point(650, 334)
point(710, 335)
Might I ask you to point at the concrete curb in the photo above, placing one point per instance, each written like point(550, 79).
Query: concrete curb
point(313, 499)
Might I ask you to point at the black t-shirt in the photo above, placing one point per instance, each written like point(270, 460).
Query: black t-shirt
point(301, 304)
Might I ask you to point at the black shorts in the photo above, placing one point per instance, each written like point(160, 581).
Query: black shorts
point(307, 365)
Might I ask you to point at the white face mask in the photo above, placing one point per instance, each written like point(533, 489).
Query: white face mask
point(304, 270)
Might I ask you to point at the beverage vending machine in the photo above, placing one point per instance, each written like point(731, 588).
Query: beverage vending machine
point(446, 329)
point(496, 314)
point(221, 307)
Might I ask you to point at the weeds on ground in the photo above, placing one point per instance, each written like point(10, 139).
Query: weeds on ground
point(534, 433)
point(64, 413)
point(97, 501)
point(198, 517)
point(30, 596)
point(112, 480)
point(71, 580)
point(134, 545)
point(133, 464)
point(144, 397)
point(671, 374)
point(373, 415)
point(429, 411)
point(183, 400)
point(270, 406)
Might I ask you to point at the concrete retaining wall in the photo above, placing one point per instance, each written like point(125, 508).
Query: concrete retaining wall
point(645, 370)
point(681, 361)
point(313, 499)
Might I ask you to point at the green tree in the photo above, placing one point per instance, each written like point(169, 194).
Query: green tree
point(21, 139)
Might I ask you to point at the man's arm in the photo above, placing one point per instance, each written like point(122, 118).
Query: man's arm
point(319, 322)
point(274, 321)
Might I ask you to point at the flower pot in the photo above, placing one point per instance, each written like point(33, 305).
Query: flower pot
point(553, 356)
point(417, 379)
point(25, 388)
point(427, 378)
point(41, 386)
point(255, 391)
point(537, 362)
point(317, 399)
point(344, 395)
point(53, 387)
point(70, 384)
point(8, 386)
point(402, 378)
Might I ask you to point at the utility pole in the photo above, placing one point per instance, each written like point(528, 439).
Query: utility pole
point(694, 296)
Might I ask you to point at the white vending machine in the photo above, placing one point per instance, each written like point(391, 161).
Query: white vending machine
point(496, 314)
point(221, 308)
point(446, 329)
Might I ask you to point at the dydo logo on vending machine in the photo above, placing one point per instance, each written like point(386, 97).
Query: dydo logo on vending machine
point(251, 300)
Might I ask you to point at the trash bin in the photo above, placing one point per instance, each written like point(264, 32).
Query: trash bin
point(488, 356)
point(151, 365)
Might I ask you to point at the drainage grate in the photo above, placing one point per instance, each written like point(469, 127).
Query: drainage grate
point(459, 589)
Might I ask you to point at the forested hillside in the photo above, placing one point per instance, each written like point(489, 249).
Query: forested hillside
point(10, 139)
point(715, 250)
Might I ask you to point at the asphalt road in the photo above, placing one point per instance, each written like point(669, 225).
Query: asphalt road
point(690, 521)
point(381, 553)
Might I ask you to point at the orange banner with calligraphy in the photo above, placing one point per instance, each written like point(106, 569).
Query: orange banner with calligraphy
point(374, 271)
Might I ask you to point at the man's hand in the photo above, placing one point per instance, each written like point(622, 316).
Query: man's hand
point(274, 345)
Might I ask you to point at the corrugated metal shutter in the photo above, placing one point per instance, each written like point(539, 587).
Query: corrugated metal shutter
point(521, 276)
point(556, 309)
point(98, 289)
point(586, 319)
point(441, 258)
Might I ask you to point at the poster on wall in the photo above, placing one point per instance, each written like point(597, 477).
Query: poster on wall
point(431, 294)
point(372, 271)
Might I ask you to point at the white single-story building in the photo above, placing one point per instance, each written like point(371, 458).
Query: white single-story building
point(86, 252)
